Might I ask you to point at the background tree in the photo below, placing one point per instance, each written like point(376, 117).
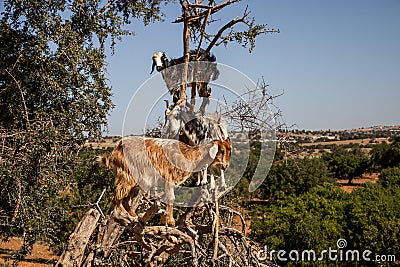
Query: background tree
point(390, 177)
point(347, 164)
point(313, 220)
point(368, 219)
point(293, 177)
point(386, 155)
point(374, 219)
point(378, 156)
point(54, 96)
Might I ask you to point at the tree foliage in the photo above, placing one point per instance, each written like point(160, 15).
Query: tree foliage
point(293, 177)
point(390, 177)
point(199, 18)
point(347, 164)
point(386, 155)
point(310, 221)
point(367, 218)
point(317, 216)
point(54, 95)
point(374, 219)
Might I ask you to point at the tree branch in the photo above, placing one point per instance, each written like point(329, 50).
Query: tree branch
point(204, 13)
point(104, 8)
point(219, 34)
point(22, 97)
point(203, 29)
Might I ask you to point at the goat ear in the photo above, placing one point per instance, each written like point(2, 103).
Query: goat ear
point(103, 160)
point(213, 151)
point(152, 67)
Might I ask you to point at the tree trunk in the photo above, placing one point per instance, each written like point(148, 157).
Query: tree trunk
point(186, 54)
point(110, 231)
point(73, 254)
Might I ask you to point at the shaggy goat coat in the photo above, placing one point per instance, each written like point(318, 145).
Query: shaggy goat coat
point(161, 163)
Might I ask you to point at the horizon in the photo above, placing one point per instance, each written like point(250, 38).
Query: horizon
point(293, 129)
point(337, 62)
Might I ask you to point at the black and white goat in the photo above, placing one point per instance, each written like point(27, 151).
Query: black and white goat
point(195, 129)
point(198, 75)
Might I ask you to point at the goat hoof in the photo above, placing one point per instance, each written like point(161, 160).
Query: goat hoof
point(223, 187)
point(212, 186)
point(170, 222)
point(167, 221)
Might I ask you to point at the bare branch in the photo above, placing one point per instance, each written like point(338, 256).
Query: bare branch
point(104, 8)
point(218, 35)
point(202, 30)
point(201, 15)
point(22, 98)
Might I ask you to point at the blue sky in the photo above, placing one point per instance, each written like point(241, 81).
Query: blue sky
point(338, 62)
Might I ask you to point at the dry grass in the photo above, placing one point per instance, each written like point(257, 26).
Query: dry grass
point(347, 142)
point(357, 182)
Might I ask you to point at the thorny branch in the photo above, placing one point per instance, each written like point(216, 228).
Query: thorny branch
point(156, 243)
point(252, 110)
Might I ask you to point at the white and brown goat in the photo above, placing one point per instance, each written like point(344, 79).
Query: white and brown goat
point(155, 162)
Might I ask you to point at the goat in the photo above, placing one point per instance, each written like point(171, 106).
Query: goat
point(201, 73)
point(211, 127)
point(194, 129)
point(215, 169)
point(152, 162)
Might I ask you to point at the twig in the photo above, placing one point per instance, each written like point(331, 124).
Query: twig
point(96, 204)
point(104, 8)
point(214, 9)
point(15, 214)
point(98, 201)
point(218, 35)
point(216, 227)
point(22, 97)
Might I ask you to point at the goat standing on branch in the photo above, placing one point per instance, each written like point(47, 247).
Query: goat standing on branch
point(166, 163)
point(198, 76)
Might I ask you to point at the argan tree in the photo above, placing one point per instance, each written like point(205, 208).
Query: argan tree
point(53, 96)
point(198, 16)
point(210, 234)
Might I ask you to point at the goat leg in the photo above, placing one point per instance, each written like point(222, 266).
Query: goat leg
point(212, 181)
point(222, 182)
point(170, 197)
point(205, 93)
point(193, 97)
point(199, 175)
point(204, 175)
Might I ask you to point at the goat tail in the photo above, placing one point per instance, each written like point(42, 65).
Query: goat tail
point(104, 160)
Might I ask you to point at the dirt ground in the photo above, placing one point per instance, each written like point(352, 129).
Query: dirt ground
point(40, 257)
point(366, 178)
